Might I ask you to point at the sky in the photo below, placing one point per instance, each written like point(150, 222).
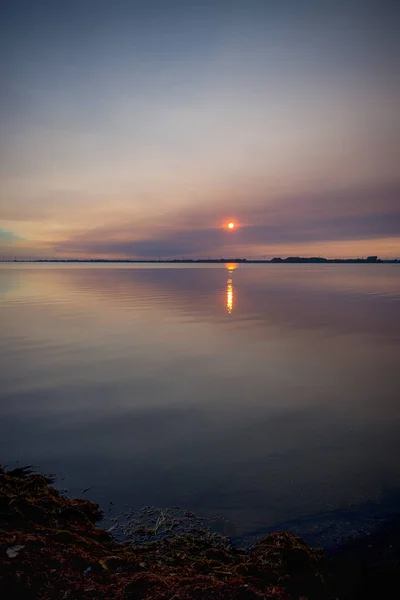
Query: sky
point(140, 128)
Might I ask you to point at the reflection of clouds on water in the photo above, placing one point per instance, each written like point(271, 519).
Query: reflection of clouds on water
point(8, 284)
point(5, 289)
point(287, 404)
point(330, 300)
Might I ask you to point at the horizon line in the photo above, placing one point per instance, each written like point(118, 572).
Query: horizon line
point(374, 259)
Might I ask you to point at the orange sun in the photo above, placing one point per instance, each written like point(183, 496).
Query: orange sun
point(231, 225)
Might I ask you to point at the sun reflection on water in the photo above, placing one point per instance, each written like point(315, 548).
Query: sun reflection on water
point(229, 296)
point(229, 288)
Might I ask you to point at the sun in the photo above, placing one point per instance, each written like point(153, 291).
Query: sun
point(231, 225)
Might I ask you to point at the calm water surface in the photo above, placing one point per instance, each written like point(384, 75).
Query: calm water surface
point(266, 394)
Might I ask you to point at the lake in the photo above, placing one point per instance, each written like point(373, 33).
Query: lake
point(266, 394)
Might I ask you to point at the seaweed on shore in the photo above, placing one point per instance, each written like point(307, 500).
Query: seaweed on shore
point(51, 548)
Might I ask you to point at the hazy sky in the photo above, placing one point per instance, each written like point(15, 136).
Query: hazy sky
point(139, 128)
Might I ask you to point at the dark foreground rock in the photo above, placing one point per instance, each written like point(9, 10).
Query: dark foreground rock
point(51, 548)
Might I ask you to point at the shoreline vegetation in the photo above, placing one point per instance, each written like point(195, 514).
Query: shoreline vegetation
point(288, 260)
point(52, 548)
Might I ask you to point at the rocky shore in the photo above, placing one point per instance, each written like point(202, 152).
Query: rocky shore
point(51, 547)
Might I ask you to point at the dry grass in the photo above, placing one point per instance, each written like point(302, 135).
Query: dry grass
point(51, 548)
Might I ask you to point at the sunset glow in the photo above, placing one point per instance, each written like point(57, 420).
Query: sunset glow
point(251, 123)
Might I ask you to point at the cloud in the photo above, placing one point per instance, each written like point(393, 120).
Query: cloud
point(332, 215)
point(8, 237)
point(175, 110)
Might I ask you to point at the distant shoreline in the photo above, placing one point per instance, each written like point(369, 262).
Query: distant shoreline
point(290, 260)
